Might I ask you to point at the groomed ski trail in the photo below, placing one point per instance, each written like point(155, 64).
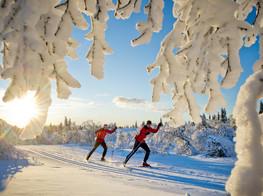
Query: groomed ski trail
point(158, 174)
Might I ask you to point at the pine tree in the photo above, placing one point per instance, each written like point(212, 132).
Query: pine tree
point(261, 107)
point(214, 117)
point(69, 123)
point(223, 115)
point(66, 121)
point(60, 126)
point(203, 117)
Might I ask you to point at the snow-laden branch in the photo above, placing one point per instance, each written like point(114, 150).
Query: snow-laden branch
point(154, 22)
point(43, 101)
point(125, 8)
point(249, 146)
point(36, 38)
point(207, 44)
point(154, 11)
point(99, 46)
point(248, 140)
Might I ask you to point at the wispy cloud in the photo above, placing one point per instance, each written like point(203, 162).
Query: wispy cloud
point(103, 95)
point(73, 102)
point(135, 103)
point(130, 102)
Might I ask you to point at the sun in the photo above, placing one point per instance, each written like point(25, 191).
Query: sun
point(21, 111)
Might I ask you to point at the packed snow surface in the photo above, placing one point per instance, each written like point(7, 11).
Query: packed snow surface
point(63, 170)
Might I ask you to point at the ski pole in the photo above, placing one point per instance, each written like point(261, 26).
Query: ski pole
point(114, 146)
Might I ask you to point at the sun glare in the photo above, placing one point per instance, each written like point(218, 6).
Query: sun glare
point(19, 112)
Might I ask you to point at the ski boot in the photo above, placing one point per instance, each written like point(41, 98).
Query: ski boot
point(146, 164)
point(103, 159)
point(124, 164)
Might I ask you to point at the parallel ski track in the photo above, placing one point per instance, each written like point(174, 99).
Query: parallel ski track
point(156, 174)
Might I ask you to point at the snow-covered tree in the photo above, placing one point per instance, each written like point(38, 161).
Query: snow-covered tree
point(207, 36)
point(9, 152)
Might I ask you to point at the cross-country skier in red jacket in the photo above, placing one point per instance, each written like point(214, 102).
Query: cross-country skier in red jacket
point(100, 136)
point(140, 142)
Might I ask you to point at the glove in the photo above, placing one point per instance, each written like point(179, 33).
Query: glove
point(115, 128)
point(160, 124)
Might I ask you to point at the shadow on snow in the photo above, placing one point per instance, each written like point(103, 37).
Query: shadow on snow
point(8, 168)
point(151, 173)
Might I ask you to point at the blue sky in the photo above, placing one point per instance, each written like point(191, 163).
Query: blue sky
point(125, 75)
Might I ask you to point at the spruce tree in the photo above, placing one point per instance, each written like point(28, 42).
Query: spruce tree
point(65, 122)
point(261, 107)
point(69, 123)
point(223, 115)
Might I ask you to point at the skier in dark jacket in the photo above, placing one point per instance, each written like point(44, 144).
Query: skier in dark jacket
point(140, 142)
point(100, 136)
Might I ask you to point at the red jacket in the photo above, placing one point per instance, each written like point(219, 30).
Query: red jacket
point(144, 132)
point(101, 134)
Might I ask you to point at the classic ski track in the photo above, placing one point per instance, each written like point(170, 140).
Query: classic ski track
point(153, 174)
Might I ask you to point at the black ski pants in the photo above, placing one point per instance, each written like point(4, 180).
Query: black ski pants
point(136, 146)
point(96, 145)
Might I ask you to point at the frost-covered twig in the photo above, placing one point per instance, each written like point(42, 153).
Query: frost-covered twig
point(154, 22)
point(125, 8)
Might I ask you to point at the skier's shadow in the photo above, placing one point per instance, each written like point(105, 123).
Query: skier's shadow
point(8, 168)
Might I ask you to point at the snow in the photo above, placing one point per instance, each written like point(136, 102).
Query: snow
point(12, 161)
point(60, 170)
point(9, 169)
point(215, 138)
point(248, 140)
point(207, 36)
point(207, 45)
point(35, 38)
point(8, 151)
point(154, 10)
